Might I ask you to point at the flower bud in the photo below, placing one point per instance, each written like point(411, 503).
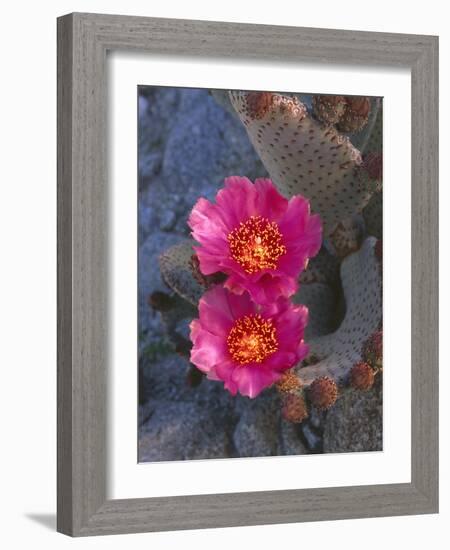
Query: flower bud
point(323, 393)
point(362, 376)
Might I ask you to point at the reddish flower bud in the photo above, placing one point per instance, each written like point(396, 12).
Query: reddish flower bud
point(358, 105)
point(294, 408)
point(373, 349)
point(356, 114)
point(258, 103)
point(328, 108)
point(323, 393)
point(362, 376)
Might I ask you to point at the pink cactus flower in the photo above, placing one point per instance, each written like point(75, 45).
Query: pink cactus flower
point(258, 238)
point(244, 345)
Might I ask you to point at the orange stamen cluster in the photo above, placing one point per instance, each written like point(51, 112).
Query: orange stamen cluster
point(252, 339)
point(256, 244)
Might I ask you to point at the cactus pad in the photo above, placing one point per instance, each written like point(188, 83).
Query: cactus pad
point(339, 351)
point(304, 156)
point(175, 265)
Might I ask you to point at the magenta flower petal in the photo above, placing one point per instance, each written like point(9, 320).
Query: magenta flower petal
point(237, 200)
point(256, 236)
point(272, 204)
point(298, 220)
point(250, 381)
point(206, 220)
point(219, 309)
point(208, 349)
point(245, 345)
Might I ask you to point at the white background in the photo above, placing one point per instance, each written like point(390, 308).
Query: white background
point(28, 269)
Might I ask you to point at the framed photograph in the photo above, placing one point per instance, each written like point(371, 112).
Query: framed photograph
point(247, 274)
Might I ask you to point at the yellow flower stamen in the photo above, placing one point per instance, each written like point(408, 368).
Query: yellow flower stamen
point(256, 244)
point(252, 339)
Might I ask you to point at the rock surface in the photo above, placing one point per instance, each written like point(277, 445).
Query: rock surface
point(180, 422)
point(355, 423)
point(180, 431)
point(256, 433)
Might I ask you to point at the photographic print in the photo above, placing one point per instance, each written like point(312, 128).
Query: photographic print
point(260, 273)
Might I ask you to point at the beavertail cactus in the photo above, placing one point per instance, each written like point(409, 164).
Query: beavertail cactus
point(362, 376)
point(177, 266)
point(305, 156)
point(323, 393)
point(339, 351)
point(294, 408)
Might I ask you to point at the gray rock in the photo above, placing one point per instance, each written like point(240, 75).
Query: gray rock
point(167, 219)
point(149, 165)
point(157, 112)
point(312, 438)
point(164, 379)
point(355, 423)
point(147, 221)
point(234, 426)
point(182, 431)
point(256, 433)
point(315, 418)
point(250, 427)
point(290, 439)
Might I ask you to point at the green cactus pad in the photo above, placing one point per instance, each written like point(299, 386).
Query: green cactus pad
point(177, 274)
point(339, 351)
point(304, 156)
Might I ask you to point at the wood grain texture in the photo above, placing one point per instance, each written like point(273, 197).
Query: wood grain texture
point(83, 41)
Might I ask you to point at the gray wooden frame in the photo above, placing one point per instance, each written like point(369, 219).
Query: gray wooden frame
point(83, 41)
